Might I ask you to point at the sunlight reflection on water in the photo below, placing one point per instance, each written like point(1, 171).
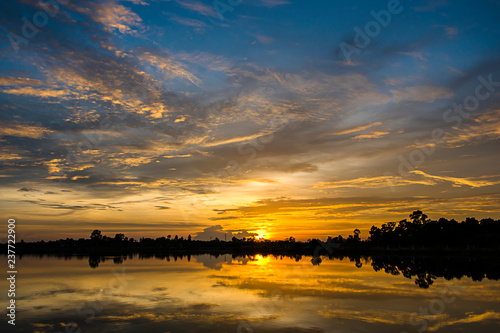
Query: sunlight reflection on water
point(244, 294)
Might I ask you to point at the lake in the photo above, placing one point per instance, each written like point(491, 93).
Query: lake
point(244, 294)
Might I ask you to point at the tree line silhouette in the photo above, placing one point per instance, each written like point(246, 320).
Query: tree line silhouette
point(468, 248)
point(419, 233)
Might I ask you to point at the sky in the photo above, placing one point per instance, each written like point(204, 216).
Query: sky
point(273, 118)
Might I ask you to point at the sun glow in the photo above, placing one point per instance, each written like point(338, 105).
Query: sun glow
point(262, 235)
point(261, 260)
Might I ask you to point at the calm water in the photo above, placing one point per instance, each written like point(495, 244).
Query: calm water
point(258, 294)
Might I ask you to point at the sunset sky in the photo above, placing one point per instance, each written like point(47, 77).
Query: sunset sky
point(274, 117)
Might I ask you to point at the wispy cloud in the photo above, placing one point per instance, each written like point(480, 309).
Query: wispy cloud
point(117, 17)
point(431, 6)
point(24, 131)
point(199, 7)
point(451, 32)
point(358, 128)
point(470, 318)
point(272, 3)
point(189, 22)
point(422, 94)
point(371, 135)
point(456, 181)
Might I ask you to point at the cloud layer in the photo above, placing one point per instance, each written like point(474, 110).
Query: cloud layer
point(180, 116)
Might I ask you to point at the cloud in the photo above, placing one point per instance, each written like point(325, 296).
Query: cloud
point(343, 209)
point(470, 318)
point(271, 3)
point(431, 6)
point(189, 22)
point(451, 32)
point(222, 211)
point(30, 91)
point(175, 114)
point(373, 182)
point(264, 39)
point(415, 177)
point(213, 62)
point(24, 131)
point(217, 231)
point(416, 54)
point(19, 81)
point(25, 189)
point(483, 128)
point(472, 182)
point(370, 316)
point(54, 205)
point(170, 68)
point(371, 135)
point(198, 7)
point(422, 94)
point(358, 128)
point(223, 218)
point(116, 17)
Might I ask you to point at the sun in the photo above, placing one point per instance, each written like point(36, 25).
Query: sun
point(262, 236)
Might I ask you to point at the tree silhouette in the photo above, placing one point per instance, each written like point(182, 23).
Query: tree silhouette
point(418, 217)
point(356, 232)
point(94, 261)
point(119, 237)
point(96, 235)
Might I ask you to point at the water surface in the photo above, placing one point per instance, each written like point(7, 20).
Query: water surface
point(244, 294)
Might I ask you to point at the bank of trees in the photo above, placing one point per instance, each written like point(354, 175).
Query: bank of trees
point(420, 231)
point(414, 233)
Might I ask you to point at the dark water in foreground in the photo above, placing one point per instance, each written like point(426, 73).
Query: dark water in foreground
point(257, 294)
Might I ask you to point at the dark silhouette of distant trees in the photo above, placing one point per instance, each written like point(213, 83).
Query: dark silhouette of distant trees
point(120, 237)
point(426, 269)
point(418, 233)
point(478, 240)
point(423, 232)
point(418, 217)
point(96, 235)
point(356, 237)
